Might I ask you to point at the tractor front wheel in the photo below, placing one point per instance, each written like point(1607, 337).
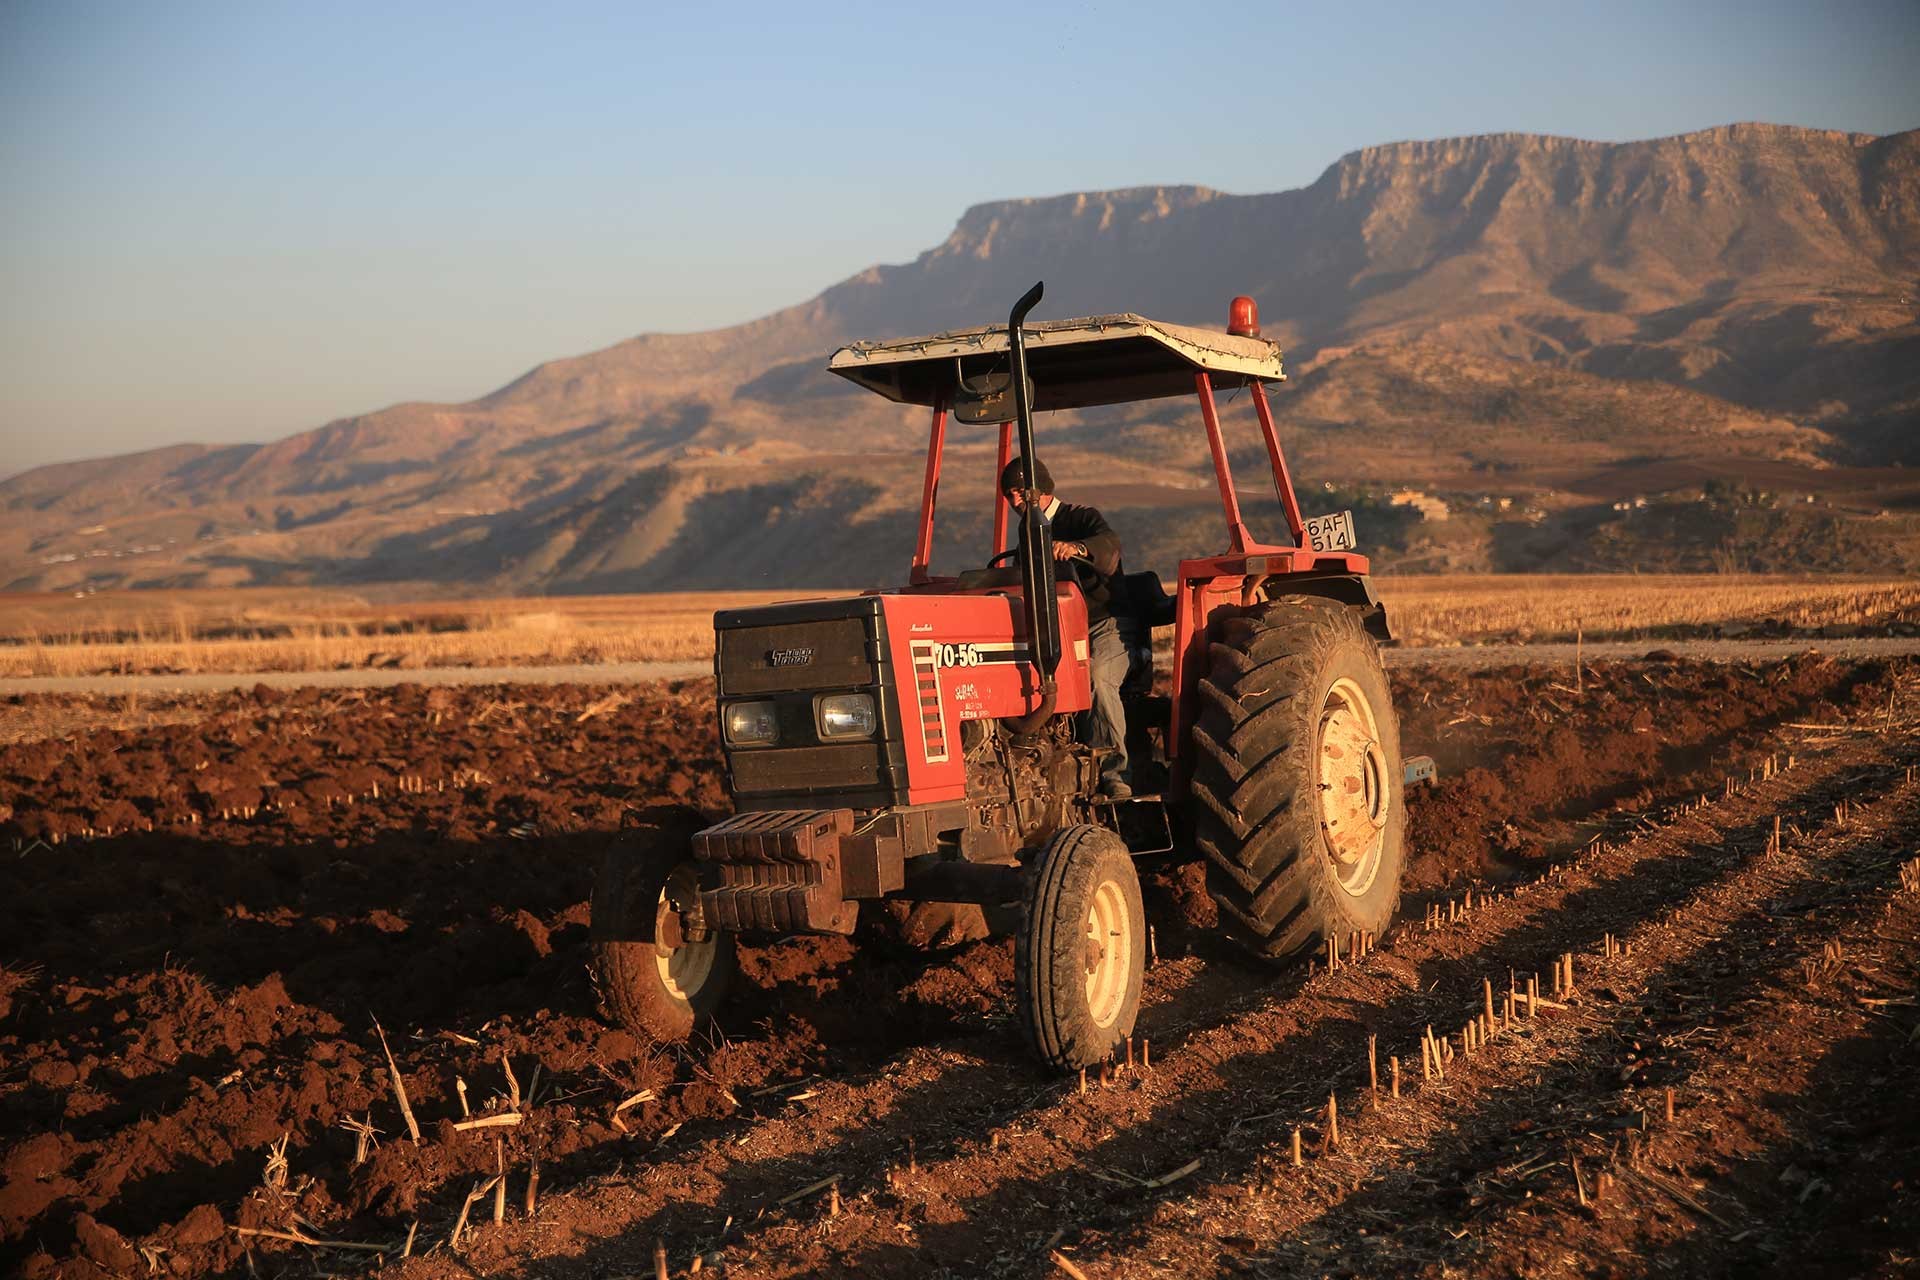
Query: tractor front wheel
point(1300, 806)
point(659, 971)
point(1081, 949)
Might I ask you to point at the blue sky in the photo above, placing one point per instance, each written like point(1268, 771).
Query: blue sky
point(232, 222)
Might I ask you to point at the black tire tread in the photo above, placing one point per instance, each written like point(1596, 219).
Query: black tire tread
point(1049, 991)
point(1253, 820)
point(622, 921)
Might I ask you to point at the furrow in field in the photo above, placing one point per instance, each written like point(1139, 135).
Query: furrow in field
point(1004, 1158)
point(1476, 1173)
point(1287, 1084)
point(422, 855)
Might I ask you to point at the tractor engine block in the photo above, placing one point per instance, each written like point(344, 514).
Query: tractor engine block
point(1023, 789)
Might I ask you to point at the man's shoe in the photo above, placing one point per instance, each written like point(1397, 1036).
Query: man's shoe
point(1114, 789)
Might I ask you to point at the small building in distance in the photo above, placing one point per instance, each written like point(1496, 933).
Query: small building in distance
point(1429, 507)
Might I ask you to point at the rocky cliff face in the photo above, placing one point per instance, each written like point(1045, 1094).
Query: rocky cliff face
point(1776, 269)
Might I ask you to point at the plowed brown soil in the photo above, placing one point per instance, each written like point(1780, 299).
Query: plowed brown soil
point(206, 913)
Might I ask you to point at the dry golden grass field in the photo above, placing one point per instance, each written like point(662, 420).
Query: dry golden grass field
point(1471, 609)
point(262, 629)
point(311, 630)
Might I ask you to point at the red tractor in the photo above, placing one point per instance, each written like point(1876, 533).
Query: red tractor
point(918, 743)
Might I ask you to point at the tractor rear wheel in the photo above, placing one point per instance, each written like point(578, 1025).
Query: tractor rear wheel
point(1081, 949)
point(1299, 802)
point(658, 971)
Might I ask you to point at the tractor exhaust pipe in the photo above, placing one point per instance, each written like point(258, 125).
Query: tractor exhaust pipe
point(1036, 537)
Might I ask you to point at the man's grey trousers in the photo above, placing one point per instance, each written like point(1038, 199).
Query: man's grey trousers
point(1106, 724)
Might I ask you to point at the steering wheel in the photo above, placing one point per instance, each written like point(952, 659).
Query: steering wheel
point(1011, 552)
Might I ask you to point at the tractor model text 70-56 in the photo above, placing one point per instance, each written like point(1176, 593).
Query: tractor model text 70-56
point(917, 743)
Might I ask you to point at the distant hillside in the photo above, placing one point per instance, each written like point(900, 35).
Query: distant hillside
point(1496, 315)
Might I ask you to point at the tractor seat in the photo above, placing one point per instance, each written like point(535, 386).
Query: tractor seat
point(1140, 599)
point(1139, 604)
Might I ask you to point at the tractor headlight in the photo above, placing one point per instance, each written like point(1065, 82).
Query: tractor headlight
point(846, 715)
point(749, 724)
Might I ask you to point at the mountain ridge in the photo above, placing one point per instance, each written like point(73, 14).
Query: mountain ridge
point(1771, 268)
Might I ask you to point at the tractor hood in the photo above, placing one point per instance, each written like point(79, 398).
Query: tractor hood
point(930, 659)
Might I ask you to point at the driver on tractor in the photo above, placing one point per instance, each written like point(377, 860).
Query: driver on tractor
point(1082, 534)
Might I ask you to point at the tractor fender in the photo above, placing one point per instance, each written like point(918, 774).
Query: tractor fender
point(1353, 589)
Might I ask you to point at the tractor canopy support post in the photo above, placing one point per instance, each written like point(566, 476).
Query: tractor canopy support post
point(1000, 507)
point(1282, 478)
point(1237, 535)
point(929, 493)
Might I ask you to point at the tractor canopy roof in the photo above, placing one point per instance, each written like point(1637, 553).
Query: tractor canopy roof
point(1072, 363)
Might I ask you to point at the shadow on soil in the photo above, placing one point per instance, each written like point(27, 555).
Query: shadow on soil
point(1015, 1215)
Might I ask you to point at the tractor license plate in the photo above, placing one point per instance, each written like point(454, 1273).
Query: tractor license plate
point(1331, 533)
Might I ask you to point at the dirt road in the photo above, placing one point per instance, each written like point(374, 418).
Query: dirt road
point(1464, 658)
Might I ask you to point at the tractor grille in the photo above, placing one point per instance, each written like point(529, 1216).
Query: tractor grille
point(790, 654)
point(832, 653)
point(821, 768)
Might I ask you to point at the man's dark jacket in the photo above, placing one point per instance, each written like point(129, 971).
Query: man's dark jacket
point(1087, 525)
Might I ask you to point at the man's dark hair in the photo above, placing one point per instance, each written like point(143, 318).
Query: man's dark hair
point(1014, 474)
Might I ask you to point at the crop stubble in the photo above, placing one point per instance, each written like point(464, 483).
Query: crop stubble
point(205, 990)
point(266, 629)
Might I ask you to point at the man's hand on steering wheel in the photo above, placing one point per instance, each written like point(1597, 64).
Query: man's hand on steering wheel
point(1061, 551)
